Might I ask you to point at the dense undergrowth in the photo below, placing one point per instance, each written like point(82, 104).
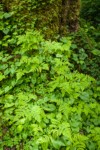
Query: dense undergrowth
point(44, 104)
point(86, 51)
point(49, 90)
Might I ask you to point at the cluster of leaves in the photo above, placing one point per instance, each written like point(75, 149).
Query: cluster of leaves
point(43, 104)
point(85, 51)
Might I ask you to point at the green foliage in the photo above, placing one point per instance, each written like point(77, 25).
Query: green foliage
point(91, 11)
point(86, 51)
point(29, 14)
point(43, 104)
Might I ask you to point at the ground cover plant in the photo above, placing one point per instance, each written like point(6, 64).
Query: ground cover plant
point(44, 104)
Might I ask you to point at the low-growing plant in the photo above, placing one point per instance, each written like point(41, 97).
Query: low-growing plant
point(43, 104)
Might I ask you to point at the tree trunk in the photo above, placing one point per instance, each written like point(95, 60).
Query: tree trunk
point(69, 18)
point(63, 17)
point(73, 16)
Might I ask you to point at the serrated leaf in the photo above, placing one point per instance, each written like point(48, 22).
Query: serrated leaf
point(49, 107)
point(45, 67)
point(57, 143)
point(19, 74)
point(19, 128)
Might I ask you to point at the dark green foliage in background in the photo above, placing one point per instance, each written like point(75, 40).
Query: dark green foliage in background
point(91, 11)
point(86, 51)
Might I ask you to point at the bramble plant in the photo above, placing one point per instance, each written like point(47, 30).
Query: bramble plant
point(44, 105)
